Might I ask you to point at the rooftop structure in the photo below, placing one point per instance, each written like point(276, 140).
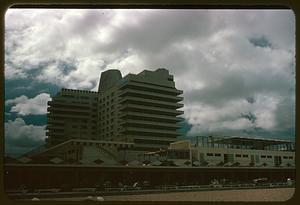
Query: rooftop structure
point(243, 143)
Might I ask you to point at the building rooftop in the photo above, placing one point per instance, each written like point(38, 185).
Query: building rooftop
point(85, 141)
point(238, 142)
point(78, 91)
point(235, 140)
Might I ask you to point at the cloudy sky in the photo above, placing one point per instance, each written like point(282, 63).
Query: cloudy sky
point(236, 68)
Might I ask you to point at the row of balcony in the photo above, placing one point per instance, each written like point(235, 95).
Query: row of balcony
point(149, 102)
point(150, 109)
point(66, 103)
point(151, 88)
point(68, 110)
point(149, 131)
point(154, 124)
point(67, 115)
point(150, 117)
point(149, 95)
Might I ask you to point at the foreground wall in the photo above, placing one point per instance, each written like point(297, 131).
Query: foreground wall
point(56, 176)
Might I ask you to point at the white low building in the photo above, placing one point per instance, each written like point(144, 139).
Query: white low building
point(236, 151)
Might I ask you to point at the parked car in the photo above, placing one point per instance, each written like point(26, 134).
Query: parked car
point(260, 180)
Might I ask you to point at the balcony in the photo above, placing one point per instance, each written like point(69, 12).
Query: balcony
point(66, 115)
point(149, 102)
point(69, 109)
point(151, 88)
point(150, 109)
point(151, 124)
point(53, 134)
point(54, 127)
point(67, 104)
point(152, 131)
point(150, 95)
point(150, 117)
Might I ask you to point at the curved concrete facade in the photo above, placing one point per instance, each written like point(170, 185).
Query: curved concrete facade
point(109, 79)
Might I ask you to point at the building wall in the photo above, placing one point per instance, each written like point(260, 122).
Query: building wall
point(148, 109)
point(183, 144)
point(244, 156)
point(108, 123)
point(72, 114)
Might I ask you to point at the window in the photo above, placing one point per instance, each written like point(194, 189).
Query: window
point(290, 157)
point(263, 156)
point(209, 154)
point(238, 155)
point(285, 157)
point(269, 157)
point(245, 155)
point(217, 155)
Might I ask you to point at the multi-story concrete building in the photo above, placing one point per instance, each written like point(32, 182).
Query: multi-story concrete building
point(141, 109)
point(72, 114)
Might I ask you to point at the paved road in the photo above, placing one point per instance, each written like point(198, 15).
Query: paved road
point(275, 194)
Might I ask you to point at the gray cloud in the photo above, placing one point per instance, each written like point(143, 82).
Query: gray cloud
point(234, 66)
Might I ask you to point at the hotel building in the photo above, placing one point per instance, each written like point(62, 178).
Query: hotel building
point(140, 109)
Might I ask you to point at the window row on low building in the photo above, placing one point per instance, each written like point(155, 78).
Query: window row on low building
point(246, 156)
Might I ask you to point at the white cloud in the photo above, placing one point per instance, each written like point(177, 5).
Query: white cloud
point(231, 116)
point(209, 52)
point(18, 131)
point(29, 106)
point(131, 63)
